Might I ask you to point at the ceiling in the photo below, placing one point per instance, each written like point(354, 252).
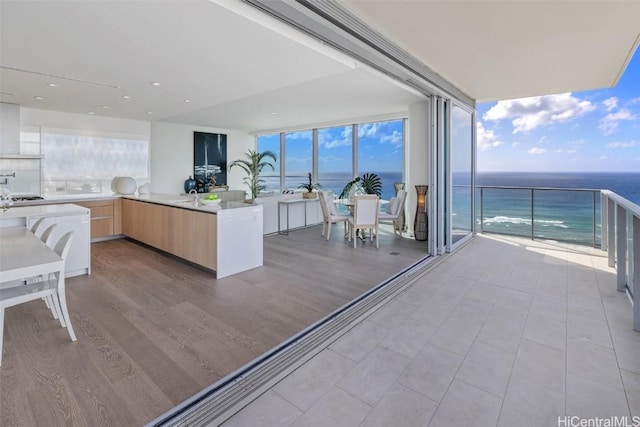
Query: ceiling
point(241, 69)
point(494, 50)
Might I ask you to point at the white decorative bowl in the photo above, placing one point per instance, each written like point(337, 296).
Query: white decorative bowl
point(209, 202)
point(126, 185)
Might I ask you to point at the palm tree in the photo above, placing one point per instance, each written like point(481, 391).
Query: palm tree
point(253, 165)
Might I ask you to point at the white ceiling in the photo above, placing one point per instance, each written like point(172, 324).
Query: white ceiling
point(494, 50)
point(237, 66)
point(235, 72)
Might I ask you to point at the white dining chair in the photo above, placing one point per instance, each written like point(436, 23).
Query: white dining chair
point(53, 287)
point(365, 216)
point(393, 211)
point(36, 225)
point(330, 213)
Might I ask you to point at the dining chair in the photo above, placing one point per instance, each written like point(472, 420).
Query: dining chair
point(365, 216)
point(330, 213)
point(393, 211)
point(54, 287)
point(36, 225)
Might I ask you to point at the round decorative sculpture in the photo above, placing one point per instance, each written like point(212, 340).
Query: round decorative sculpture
point(143, 189)
point(126, 185)
point(114, 183)
point(189, 184)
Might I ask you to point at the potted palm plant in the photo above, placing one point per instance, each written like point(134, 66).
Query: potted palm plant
point(252, 164)
point(369, 183)
point(310, 186)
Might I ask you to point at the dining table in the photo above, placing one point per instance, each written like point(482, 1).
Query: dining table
point(349, 203)
point(24, 255)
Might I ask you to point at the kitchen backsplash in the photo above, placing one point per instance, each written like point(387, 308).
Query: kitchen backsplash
point(28, 179)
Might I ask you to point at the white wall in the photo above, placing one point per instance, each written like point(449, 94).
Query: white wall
point(417, 154)
point(172, 155)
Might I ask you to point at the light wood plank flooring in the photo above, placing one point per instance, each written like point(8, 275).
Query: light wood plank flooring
point(153, 330)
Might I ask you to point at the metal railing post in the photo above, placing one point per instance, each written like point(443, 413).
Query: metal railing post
point(621, 247)
point(604, 243)
point(594, 219)
point(532, 190)
point(611, 226)
point(482, 209)
point(635, 267)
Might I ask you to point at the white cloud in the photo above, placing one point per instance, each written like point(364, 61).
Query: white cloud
point(395, 138)
point(562, 150)
point(486, 139)
point(628, 144)
point(515, 144)
point(327, 140)
point(577, 142)
point(543, 140)
point(610, 103)
point(610, 122)
point(368, 130)
point(530, 113)
point(537, 150)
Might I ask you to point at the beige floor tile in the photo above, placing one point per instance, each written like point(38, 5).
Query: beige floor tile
point(336, 408)
point(590, 308)
point(409, 337)
point(502, 332)
point(466, 405)
point(530, 405)
point(514, 299)
point(431, 372)
point(267, 410)
point(589, 399)
point(593, 362)
point(552, 308)
point(487, 368)
point(435, 311)
point(311, 381)
point(523, 281)
point(485, 292)
point(370, 380)
point(392, 313)
point(627, 353)
point(361, 340)
point(549, 285)
point(540, 364)
point(631, 382)
point(456, 334)
point(401, 406)
point(544, 330)
point(590, 329)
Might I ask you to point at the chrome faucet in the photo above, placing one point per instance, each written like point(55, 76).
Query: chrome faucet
point(195, 197)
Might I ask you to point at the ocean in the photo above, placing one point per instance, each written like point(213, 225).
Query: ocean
point(559, 215)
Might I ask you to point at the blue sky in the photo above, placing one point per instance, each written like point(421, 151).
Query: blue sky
point(595, 130)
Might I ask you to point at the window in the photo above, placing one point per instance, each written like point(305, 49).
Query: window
point(75, 163)
point(271, 177)
point(298, 157)
point(380, 150)
point(335, 157)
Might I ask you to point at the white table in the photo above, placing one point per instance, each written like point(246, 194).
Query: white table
point(24, 255)
point(289, 202)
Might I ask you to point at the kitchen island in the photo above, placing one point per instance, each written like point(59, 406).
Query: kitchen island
point(67, 217)
point(225, 238)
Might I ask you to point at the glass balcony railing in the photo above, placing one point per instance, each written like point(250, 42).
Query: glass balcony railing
point(562, 214)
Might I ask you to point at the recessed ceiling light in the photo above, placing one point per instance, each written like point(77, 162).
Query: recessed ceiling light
point(273, 113)
point(52, 85)
point(187, 100)
point(104, 106)
point(149, 112)
point(155, 84)
point(38, 98)
point(91, 112)
point(126, 97)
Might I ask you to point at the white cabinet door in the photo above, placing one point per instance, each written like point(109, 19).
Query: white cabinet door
point(79, 259)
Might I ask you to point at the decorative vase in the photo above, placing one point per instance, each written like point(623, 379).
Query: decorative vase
point(400, 224)
point(421, 222)
point(189, 184)
point(126, 185)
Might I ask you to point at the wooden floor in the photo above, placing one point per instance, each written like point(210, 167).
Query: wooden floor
point(153, 330)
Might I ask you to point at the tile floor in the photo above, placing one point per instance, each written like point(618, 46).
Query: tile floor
point(505, 332)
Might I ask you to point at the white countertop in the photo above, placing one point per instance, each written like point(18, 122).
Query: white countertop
point(43, 210)
point(185, 202)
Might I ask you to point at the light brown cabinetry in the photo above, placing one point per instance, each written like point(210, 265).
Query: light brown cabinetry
point(105, 217)
point(182, 232)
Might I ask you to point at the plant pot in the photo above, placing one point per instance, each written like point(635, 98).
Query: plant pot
point(309, 195)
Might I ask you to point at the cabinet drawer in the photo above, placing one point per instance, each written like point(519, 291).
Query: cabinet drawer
point(101, 227)
point(95, 203)
point(101, 211)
